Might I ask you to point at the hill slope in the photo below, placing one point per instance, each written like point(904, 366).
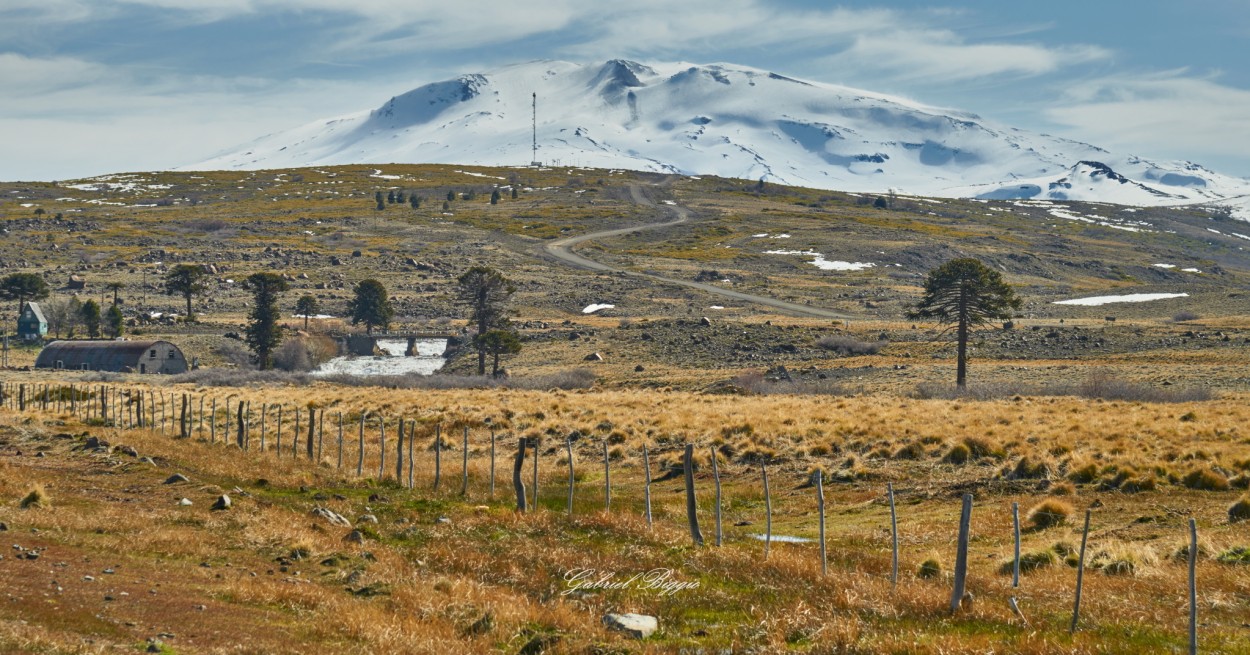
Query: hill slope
point(726, 120)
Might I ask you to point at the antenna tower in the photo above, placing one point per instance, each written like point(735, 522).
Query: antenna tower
point(534, 148)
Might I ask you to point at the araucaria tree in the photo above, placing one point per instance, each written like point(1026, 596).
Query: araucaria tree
point(968, 294)
point(23, 287)
point(371, 306)
point(486, 292)
point(91, 318)
point(263, 335)
point(497, 342)
point(306, 306)
point(184, 280)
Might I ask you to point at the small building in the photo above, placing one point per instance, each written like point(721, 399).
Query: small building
point(160, 357)
point(31, 323)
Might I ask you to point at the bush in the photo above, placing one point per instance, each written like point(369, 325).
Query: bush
point(911, 451)
point(1049, 513)
point(1206, 480)
point(979, 448)
point(930, 568)
point(1030, 469)
point(958, 454)
point(37, 497)
point(1240, 510)
point(1030, 562)
point(849, 346)
point(1084, 474)
point(1181, 317)
point(304, 353)
point(1238, 555)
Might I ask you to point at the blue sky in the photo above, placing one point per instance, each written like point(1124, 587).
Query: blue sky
point(94, 86)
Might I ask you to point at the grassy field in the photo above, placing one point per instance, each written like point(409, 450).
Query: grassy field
point(1136, 412)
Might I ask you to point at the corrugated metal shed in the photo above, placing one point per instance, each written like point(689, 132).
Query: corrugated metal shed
point(116, 356)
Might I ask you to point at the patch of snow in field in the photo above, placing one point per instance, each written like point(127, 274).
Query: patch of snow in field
point(715, 307)
point(759, 236)
point(780, 236)
point(312, 316)
point(1095, 301)
point(28, 204)
point(819, 261)
point(590, 309)
point(1165, 265)
point(1191, 270)
point(669, 202)
point(377, 172)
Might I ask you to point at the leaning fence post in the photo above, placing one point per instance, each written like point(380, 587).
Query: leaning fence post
point(212, 420)
point(1080, 576)
point(295, 434)
point(607, 479)
point(277, 437)
point(238, 437)
point(820, 510)
point(321, 431)
point(692, 508)
point(381, 447)
point(312, 428)
point(464, 464)
point(568, 449)
point(534, 443)
point(412, 437)
point(889, 488)
point(716, 482)
point(961, 555)
point(399, 452)
point(340, 440)
point(517, 483)
point(1193, 587)
point(646, 488)
point(201, 427)
point(264, 412)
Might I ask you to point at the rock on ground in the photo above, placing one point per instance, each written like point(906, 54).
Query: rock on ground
point(638, 626)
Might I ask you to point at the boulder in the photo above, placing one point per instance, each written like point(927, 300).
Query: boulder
point(223, 502)
point(593, 357)
point(333, 517)
point(176, 478)
point(638, 626)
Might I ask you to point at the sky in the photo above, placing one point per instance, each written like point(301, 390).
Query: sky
point(104, 86)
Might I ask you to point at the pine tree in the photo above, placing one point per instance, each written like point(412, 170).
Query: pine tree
point(399, 198)
point(415, 201)
point(263, 335)
point(184, 280)
point(115, 321)
point(494, 197)
point(378, 197)
point(446, 206)
point(451, 195)
point(496, 343)
point(306, 306)
point(23, 287)
point(486, 292)
point(91, 318)
point(371, 306)
point(514, 193)
point(390, 198)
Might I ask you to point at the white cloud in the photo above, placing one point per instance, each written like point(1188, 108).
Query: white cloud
point(1172, 114)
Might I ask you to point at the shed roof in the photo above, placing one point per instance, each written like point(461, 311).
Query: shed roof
point(99, 355)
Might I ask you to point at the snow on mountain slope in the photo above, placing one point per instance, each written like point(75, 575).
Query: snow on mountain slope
point(727, 120)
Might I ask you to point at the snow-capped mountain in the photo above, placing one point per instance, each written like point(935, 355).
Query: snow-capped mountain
point(732, 121)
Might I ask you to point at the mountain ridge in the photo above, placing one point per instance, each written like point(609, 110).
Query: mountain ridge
point(733, 121)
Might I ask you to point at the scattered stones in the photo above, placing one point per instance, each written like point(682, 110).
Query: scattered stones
point(367, 518)
point(593, 357)
point(147, 460)
point(638, 626)
point(127, 450)
point(223, 502)
point(185, 502)
point(705, 322)
point(333, 517)
point(355, 537)
point(442, 520)
point(4, 527)
point(639, 368)
point(176, 478)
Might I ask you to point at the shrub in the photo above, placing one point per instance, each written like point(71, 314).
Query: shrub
point(1030, 562)
point(979, 448)
point(1049, 513)
point(1206, 480)
point(958, 454)
point(1063, 489)
point(1181, 317)
point(1240, 510)
point(37, 497)
point(910, 451)
point(1029, 468)
point(1237, 555)
point(930, 568)
point(1084, 474)
point(849, 346)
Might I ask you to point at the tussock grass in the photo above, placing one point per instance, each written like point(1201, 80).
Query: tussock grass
point(37, 497)
point(1206, 480)
point(1049, 513)
point(1240, 510)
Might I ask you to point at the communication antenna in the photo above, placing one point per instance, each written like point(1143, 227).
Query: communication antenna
point(534, 148)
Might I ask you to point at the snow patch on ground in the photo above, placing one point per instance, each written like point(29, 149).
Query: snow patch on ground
point(590, 309)
point(1095, 301)
point(819, 261)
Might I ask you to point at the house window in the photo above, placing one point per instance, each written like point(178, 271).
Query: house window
point(172, 355)
point(152, 354)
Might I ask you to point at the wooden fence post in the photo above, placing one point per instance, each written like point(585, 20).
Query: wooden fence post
point(568, 448)
point(412, 437)
point(321, 433)
point(360, 462)
point(212, 420)
point(201, 427)
point(646, 488)
point(247, 427)
point(295, 434)
point(517, 464)
point(399, 452)
point(1015, 563)
point(607, 479)
point(382, 447)
point(1080, 576)
point(889, 488)
point(264, 412)
point(961, 555)
point(277, 437)
point(464, 464)
point(438, 454)
point(312, 432)
point(340, 466)
point(492, 461)
point(534, 443)
point(820, 510)
point(1193, 587)
point(238, 439)
point(716, 483)
point(692, 508)
point(768, 511)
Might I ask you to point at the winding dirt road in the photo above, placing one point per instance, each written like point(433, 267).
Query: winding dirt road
point(562, 249)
